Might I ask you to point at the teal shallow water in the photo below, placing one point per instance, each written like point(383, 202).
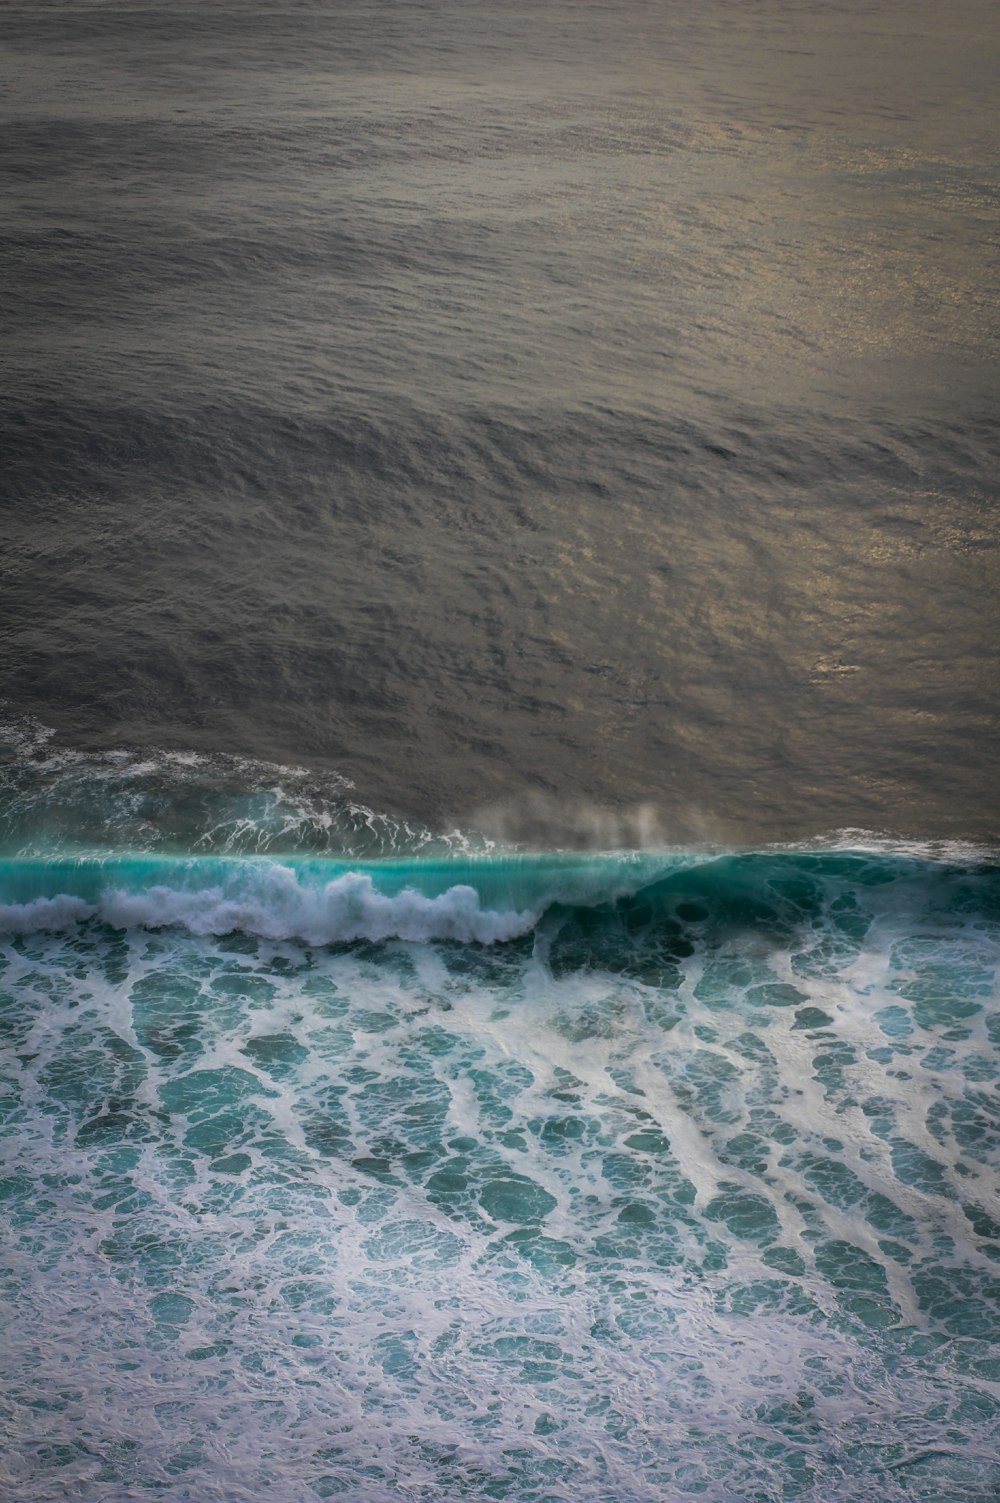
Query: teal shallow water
point(321, 900)
point(686, 1191)
point(576, 424)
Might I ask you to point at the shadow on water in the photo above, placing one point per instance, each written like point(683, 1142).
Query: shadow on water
point(769, 899)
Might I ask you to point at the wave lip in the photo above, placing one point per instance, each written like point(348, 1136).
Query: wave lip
point(349, 907)
point(485, 901)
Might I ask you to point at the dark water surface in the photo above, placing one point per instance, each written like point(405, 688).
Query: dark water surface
point(524, 410)
point(437, 438)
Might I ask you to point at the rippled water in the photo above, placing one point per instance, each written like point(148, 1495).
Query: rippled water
point(499, 897)
point(589, 402)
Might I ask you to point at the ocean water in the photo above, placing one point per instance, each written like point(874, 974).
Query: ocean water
point(518, 410)
point(421, 1168)
point(499, 836)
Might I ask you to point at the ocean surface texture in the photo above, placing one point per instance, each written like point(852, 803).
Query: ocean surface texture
point(499, 835)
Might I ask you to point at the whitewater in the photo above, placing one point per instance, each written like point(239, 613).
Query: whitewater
point(465, 1172)
point(499, 845)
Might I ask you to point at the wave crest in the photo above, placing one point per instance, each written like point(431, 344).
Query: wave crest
point(348, 908)
point(601, 906)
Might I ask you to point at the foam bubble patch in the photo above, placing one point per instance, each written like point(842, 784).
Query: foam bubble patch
point(684, 1191)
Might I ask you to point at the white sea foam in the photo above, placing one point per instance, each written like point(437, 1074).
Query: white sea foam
point(278, 905)
point(422, 1225)
point(55, 798)
point(60, 912)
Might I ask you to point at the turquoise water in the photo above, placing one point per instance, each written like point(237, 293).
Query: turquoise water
point(568, 434)
point(620, 1177)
